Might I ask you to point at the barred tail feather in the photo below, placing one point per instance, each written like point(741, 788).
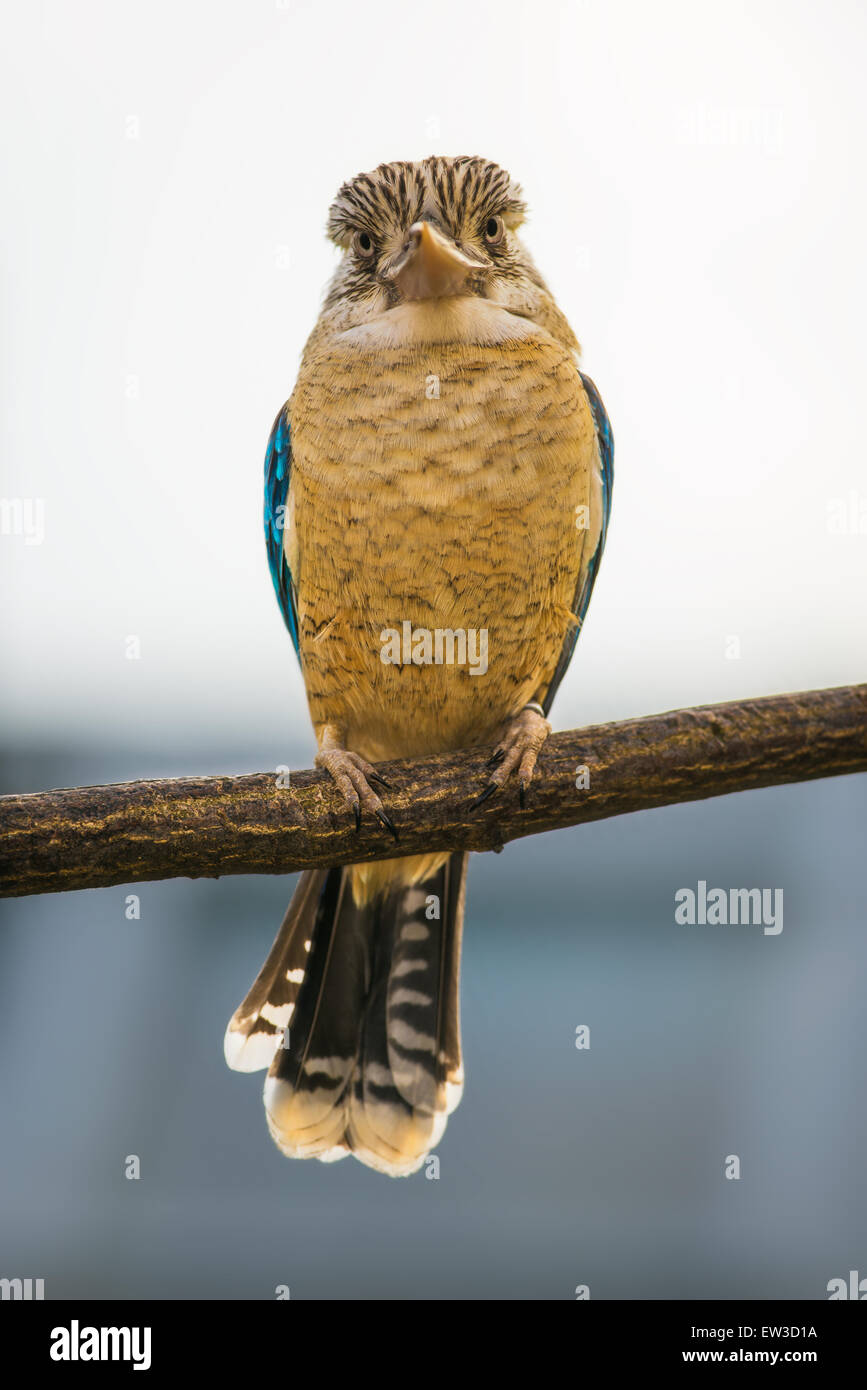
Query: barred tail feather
point(371, 1064)
point(256, 1029)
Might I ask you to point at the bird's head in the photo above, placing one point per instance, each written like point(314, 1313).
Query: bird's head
point(437, 230)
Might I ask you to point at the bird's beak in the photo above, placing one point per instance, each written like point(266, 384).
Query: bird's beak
point(431, 266)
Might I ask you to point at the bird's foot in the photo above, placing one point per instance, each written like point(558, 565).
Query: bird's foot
point(518, 748)
point(352, 776)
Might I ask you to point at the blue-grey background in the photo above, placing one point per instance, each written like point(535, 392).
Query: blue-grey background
point(696, 204)
point(560, 1167)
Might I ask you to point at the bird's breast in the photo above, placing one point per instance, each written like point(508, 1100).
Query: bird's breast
point(435, 490)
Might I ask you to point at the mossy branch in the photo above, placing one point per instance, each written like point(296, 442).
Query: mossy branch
point(195, 827)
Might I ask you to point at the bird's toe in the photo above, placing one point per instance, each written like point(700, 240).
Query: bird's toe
point(352, 776)
point(518, 750)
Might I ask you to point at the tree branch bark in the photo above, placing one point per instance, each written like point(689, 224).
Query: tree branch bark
point(92, 837)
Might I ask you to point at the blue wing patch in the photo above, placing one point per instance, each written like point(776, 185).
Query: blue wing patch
point(587, 578)
point(278, 467)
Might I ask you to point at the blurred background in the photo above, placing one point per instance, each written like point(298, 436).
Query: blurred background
point(693, 174)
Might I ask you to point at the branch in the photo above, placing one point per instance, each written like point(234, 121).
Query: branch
point(92, 837)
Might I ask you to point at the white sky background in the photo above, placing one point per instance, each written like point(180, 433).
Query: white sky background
point(695, 173)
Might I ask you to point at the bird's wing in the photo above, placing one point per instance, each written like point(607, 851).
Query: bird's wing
point(589, 567)
point(278, 469)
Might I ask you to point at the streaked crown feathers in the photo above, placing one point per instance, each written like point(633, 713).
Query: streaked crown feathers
point(461, 194)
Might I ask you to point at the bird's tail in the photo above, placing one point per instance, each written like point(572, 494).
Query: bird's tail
point(356, 1015)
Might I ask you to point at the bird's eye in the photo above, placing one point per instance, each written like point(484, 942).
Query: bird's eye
point(495, 230)
point(362, 245)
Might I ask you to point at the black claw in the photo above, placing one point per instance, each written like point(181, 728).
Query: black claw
point(357, 810)
point(387, 822)
point(522, 793)
point(488, 792)
point(377, 777)
point(496, 757)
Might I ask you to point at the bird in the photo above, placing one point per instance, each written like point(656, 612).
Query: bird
point(437, 495)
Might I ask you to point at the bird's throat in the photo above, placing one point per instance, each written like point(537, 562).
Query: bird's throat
point(461, 319)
